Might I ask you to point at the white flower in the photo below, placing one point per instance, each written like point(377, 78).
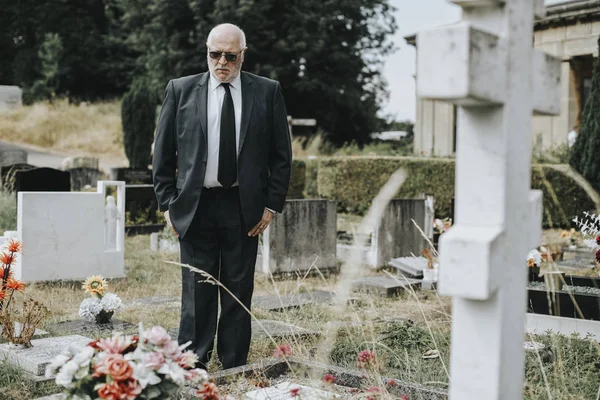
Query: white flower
point(65, 375)
point(173, 371)
point(536, 256)
point(144, 376)
point(591, 243)
point(111, 302)
point(89, 308)
point(56, 364)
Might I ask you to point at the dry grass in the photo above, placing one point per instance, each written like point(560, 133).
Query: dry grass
point(86, 130)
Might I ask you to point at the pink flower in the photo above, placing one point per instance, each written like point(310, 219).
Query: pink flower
point(329, 379)
point(208, 391)
point(154, 360)
point(171, 350)
point(295, 392)
point(157, 335)
point(187, 359)
point(373, 393)
point(282, 350)
point(366, 358)
point(114, 345)
point(391, 382)
point(404, 397)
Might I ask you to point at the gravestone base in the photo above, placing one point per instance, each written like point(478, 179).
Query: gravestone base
point(283, 391)
point(35, 359)
point(384, 285)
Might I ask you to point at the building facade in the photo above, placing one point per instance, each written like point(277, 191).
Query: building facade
point(570, 31)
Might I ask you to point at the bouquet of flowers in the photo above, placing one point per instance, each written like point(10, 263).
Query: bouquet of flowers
point(101, 305)
point(149, 365)
point(31, 313)
point(442, 225)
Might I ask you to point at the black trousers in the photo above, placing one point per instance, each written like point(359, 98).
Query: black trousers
point(218, 243)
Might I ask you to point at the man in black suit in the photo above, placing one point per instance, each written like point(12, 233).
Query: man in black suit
point(221, 169)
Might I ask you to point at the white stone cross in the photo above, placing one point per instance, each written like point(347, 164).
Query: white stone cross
point(486, 65)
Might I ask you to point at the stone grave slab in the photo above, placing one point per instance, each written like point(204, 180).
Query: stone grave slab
point(384, 285)
point(59, 396)
point(411, 267)
point(38, 334)
point(284, 302)
point(91, 328)
point(287, 390)
point(154, 301)
point(276, 329)
point(42, 352)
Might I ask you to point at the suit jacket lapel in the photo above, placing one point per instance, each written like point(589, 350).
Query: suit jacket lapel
point(201, 99)
point(247, 104)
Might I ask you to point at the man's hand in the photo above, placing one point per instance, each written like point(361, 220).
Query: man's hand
point(262, 224)
point(170, 224)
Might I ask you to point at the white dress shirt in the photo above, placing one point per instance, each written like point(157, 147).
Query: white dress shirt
point(216, 94)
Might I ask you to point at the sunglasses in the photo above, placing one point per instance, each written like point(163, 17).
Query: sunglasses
point(230, 57)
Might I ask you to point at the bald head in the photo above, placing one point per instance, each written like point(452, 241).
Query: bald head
point(226, 32)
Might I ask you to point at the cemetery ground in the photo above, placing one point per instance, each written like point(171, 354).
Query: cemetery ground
point(409, 333)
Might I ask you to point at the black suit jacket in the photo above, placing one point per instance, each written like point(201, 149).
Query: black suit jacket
point(180, 149)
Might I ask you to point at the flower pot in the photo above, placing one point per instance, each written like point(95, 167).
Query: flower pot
point(103, 317)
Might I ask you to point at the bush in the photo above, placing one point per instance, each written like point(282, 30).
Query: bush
point(8, 211)
point(353, 182)
point(138, 115)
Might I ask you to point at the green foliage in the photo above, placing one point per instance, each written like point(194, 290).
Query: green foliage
point(584, 156)
point(310, 187)
point(297, 180)
point(50, 54)
point(14, 385)
point(138, 115)
point(354, 182)
point(8, 211)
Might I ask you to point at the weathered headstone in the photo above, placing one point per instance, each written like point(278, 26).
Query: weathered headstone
point(276, 329)
point(411, 267)
point(301, 238)
point(486, 65)
point(42, 352)
point(132, 176)
point(82, 177)
point(290, 391)
point(396, 235)
point(154, 301)
point(284, 302)
point(12, 156)
point(10, 97)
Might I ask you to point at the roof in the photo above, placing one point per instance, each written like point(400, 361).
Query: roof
point(564, 13)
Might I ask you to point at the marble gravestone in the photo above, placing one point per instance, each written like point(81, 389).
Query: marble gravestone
point(486, 65)
point(35, 359)
point(10, 97)
point(12, 156)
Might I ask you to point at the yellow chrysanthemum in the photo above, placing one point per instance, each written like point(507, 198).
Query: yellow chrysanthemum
point(95, 285)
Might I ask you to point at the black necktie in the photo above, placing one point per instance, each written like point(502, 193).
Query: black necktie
point(227, 153)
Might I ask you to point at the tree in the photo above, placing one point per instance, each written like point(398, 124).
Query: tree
point(138, 116)
point(50, 55)
point(584, 153)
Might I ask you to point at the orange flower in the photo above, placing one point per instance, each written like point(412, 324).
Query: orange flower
point(15, 284)
point(15, 246)
point(2, 295)
point(114, 365)
point(4, 274)
point(6, 258)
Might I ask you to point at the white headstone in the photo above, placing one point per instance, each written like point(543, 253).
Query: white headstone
point(63, 235)
point(487, 66)
point(10, 97)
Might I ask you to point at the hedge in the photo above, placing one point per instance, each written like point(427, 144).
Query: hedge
point(354, 181)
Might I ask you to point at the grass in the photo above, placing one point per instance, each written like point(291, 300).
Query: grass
point(87, 130)
point(400, 330)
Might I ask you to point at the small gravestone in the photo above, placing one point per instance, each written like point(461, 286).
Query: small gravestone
point(411, 267)
point(291, 391)
point(384, 285)
point(43, 180)
point(12, 156)
point(10, 97)
point(91, 328)
point(276, 329)
point(131, 175)
point(82, 177)
point(35, 359)
point(38, 334)
point(80, 162)
point(284, 302)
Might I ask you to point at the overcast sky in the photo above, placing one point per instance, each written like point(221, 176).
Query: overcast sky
point(413, 16)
